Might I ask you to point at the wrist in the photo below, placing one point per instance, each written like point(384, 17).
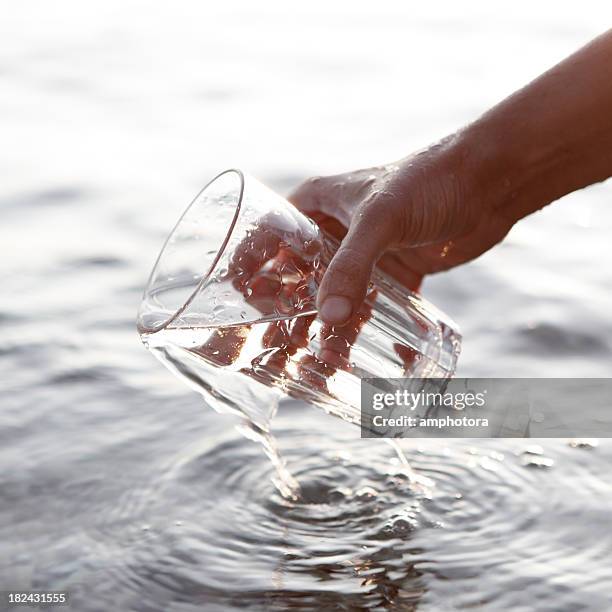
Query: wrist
point(485, 171)
point(502, 173)
point(518, 167)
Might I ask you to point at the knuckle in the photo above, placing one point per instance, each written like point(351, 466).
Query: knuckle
point(381, 216)
point(314, 183)
point(307, 195)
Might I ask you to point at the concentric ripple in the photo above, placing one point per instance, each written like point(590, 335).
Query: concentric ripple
point(481, 527)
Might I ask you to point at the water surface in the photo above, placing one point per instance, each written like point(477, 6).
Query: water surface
point(117, 483)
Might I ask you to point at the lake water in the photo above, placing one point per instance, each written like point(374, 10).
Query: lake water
point(117, 483)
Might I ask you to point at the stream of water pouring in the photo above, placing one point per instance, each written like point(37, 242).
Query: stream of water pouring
point(210, 367)
point(283, 480)
point(254, 403)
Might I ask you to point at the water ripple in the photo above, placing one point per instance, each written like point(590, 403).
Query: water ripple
point(212, 527)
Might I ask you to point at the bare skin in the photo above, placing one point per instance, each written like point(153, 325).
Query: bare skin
point(448, 204)
point(431, 211)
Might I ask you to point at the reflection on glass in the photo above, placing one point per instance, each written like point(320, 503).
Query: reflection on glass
point(233, 291)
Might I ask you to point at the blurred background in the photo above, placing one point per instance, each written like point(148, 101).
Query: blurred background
point(113, 115)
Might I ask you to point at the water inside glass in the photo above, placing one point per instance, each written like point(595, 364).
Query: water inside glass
point(233, 294)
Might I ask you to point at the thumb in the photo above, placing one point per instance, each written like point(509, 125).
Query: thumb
point(345, 283)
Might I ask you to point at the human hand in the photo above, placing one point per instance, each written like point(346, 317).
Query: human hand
point(421, 215)
point(273, 271)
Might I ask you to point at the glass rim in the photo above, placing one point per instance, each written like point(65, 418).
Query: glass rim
point(205, 276)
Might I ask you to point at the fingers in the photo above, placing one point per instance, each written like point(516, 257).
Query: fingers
point(323, 197)
point(271, 269)
point(337, 342)
point(252, 253)
point(346, 280)
point(403, 269)
point(224, 345)
point(330, 226)
point(306, 196)
point(341, 201)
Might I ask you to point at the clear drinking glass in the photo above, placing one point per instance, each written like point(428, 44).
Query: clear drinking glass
point(233, 292)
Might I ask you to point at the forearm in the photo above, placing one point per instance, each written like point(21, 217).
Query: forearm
point(550, 138)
